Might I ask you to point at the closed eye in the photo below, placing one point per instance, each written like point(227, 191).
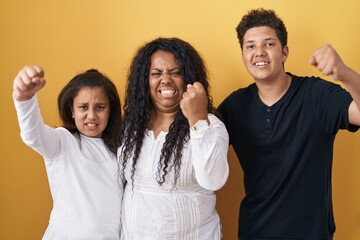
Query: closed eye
point(175, 73)
point(155, 74)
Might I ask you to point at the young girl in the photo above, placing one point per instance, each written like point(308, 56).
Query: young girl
point(80, 157)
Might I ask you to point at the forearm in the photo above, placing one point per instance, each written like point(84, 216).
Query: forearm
point(209, 152)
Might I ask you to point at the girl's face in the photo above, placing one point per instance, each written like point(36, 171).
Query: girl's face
point(166, 82)
point(91, 111)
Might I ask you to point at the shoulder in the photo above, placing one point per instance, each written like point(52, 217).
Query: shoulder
point(64, 132)
point(314, 85)
point(240, 94)
point(243, 92)
point(67, 138)
point(311, 81)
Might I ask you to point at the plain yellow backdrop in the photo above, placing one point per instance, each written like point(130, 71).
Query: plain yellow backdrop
point(69, 36)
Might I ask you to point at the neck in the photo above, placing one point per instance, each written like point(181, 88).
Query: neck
point(160, 121)
point(271, 91)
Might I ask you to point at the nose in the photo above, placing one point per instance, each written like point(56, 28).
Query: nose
point(166, 78)
point(260, 51)
point(91, 114)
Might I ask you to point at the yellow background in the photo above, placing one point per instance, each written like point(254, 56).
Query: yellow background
point(69, 36)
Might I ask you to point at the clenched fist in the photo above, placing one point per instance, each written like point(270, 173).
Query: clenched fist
point(327, 61)
point(194, 103)
point(28, 81)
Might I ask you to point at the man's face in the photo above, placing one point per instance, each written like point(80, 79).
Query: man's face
point(263, 54)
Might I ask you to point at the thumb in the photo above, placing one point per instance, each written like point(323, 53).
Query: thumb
point(312, 61)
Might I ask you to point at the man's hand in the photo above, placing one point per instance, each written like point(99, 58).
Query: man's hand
point(327, 61)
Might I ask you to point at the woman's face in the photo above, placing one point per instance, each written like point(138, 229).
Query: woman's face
point(166, 82)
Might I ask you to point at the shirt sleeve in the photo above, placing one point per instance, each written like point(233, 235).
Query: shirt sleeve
point(209, 146)
point(34, 133)
point(331, 102)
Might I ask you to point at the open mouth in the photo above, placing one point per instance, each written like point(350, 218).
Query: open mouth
point(260, 64)
point(167, 93)
point(91, 125)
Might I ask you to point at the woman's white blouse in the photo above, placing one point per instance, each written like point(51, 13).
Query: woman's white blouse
point(83, 179)
point(186, 211)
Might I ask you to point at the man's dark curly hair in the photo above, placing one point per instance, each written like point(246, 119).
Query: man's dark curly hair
point(138, 105)
point(92, 78)
point(260, 18)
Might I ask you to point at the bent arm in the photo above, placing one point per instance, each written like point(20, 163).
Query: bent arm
point(352, 84)
point(327, 60)
point(209, 151)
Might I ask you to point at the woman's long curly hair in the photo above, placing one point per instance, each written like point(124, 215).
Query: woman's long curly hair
point(138, 105)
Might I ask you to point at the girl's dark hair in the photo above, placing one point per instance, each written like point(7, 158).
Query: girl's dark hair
point(138, 105)
point(259, 18)
point(94, 79)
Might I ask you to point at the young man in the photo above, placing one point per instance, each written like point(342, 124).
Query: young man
point(282, 128)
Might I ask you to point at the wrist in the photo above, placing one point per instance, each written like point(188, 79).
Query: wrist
point(200, 124)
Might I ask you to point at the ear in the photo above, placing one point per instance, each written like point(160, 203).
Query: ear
point(285, 53)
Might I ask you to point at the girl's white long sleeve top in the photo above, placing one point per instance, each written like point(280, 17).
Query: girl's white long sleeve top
point(83, 179)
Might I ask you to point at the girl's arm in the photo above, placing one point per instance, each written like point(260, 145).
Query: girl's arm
point(42, 138)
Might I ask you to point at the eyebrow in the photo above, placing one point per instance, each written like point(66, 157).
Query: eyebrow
point(270, 38)
point(170, 70)
point(86, 103)
point(266, 39)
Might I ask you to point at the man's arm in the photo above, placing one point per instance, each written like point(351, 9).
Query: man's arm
point(328, 61)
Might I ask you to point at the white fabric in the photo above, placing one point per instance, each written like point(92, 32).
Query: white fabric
point(83, 179)
point(187, 212)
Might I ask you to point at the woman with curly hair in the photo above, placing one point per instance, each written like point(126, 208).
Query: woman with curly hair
point(173, 153)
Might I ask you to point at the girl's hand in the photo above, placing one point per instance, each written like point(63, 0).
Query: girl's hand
point(28, 81)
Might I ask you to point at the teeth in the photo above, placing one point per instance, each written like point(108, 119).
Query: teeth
point(91, 124)
point(167, 92)
point(261, 63)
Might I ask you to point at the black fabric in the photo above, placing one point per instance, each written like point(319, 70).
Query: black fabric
point(286, 153)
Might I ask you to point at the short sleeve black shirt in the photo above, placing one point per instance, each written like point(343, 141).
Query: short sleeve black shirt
point(286, 153)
